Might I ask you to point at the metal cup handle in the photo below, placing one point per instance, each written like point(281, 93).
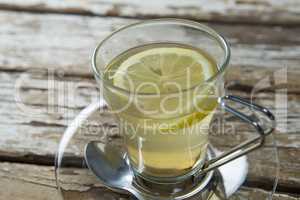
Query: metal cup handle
point(247, 146)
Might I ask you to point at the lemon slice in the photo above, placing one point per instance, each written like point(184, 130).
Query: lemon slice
point(164, 70)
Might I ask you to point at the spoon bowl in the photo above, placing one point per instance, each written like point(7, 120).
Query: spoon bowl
point(109, 166)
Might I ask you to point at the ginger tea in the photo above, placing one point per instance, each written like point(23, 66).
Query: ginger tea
point(164, 105)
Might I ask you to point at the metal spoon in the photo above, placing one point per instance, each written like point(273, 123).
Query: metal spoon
point(111, 168)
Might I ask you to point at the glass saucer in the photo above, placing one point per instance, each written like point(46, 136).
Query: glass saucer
point(236, 179)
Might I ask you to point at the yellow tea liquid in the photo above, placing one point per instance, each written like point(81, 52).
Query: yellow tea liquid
point(164, 106)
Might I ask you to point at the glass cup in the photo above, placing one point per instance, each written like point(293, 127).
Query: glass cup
point(166, 132)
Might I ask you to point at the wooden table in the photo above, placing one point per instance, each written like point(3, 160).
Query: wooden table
point(42, 41)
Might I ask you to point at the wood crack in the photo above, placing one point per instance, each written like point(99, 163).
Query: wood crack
point(110, 13)
point(268, 186)
point(43, 160)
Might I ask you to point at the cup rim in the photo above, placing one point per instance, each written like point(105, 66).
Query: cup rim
point(218, 37)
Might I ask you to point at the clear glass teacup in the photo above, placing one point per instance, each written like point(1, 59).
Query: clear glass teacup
point(163, 80)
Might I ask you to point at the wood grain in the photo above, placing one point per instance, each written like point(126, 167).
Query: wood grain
point(26, 182)
point(246, 11)
point(45, 81)
point(65, 43)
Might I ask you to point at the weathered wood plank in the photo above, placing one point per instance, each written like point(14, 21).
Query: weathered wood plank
point(65, 43)
point(32, 103)
point(26, 182)
point(250, 11)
